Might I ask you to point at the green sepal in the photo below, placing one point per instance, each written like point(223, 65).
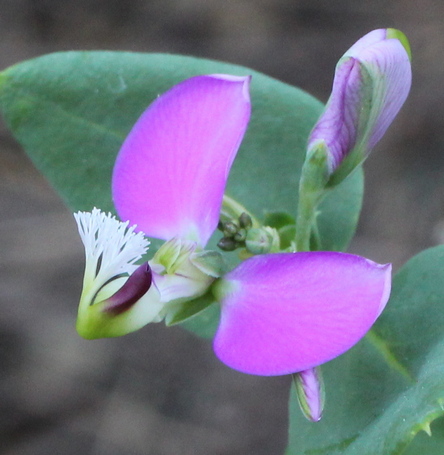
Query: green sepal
point(315, 172)
point(209, 262)
point(183, 311)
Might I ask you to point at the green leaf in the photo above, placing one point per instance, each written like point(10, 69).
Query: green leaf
point(426, 445)
point(278, 220)
point(287, 235)
point(204, 323)
point(339, 215)
point(390, 386)
point(71, 112)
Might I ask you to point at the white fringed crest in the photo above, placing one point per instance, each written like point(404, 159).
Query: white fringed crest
point(111, 247)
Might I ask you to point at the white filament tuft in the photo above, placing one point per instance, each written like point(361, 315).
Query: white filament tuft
point(111, 247)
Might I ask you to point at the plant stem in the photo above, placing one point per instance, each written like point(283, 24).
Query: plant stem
point(306, 218)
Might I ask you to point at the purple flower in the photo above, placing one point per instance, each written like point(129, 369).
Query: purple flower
point(280, 313)
point(371, 83)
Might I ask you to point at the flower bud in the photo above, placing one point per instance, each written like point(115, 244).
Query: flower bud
point(371, 83)
point(310, 392)
point(262, 240)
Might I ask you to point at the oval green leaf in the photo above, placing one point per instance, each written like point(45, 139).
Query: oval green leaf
point(72, 110)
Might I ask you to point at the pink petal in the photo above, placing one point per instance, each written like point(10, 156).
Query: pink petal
point(289, 312)
point(338, 125)
point(373, 37)
point(390, 59)
point(170, 174)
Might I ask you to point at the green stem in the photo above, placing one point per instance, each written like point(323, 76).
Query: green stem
point(312, 185)
point(306, 218)
point(231, 210)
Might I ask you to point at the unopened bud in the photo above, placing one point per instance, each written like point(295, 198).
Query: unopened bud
point(227, 244)
point(310, 392)
point(240, 236)
point(245, 221)
point(230, 228)
point(258, 241)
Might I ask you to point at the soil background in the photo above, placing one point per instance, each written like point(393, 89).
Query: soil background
point(161, 391)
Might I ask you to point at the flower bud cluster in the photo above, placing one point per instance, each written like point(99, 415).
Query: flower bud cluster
point(235, 232)
point(240, 233)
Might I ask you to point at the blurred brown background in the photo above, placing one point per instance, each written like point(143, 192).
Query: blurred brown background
point(159, 391)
